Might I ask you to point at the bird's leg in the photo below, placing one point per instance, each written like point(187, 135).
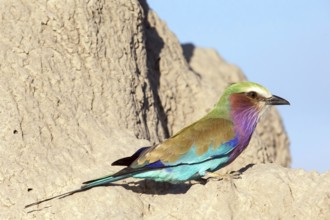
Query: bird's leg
point(228, 176)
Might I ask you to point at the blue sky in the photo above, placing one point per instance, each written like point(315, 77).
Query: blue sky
point(283, 45)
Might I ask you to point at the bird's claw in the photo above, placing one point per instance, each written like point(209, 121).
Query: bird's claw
point(235, 175)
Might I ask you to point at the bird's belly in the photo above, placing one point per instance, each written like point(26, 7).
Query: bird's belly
point(183, 173)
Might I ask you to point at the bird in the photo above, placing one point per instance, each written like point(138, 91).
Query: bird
point(201, 148)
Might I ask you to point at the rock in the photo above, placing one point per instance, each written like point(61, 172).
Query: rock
point(84, 83)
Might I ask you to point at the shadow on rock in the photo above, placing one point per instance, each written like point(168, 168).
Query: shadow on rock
point(155, 188)
point(243, 169)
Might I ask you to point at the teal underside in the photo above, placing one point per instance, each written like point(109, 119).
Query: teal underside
point(195, 167)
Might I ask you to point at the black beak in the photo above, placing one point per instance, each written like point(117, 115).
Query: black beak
point(276, 100)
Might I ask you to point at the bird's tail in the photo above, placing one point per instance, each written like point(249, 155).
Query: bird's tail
point(87, 185)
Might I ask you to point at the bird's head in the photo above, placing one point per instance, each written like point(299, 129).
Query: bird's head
point(247, 97)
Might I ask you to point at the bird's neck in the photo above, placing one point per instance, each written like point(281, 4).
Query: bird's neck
point(244, 115)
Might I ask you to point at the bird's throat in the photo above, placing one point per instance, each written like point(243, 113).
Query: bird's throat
point(244, 114)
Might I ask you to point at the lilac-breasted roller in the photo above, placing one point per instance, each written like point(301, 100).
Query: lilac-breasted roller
point(203, 147)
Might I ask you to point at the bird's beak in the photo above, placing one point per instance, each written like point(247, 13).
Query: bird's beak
point(276, 100)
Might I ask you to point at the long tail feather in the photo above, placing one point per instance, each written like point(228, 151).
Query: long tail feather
point(87, 185)
point(54, 197)
point(102, 181)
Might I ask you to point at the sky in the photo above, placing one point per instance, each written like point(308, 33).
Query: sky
point(283, 45)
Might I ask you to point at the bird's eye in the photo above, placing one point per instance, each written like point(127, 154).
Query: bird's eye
point(252, 94)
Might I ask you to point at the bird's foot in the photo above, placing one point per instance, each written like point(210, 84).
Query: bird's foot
point(235, 175)
point(228, 176)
